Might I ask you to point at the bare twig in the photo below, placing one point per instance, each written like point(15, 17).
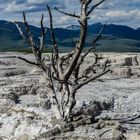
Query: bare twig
point(68, 14)
point(90, 79)
point(30, 62)
point(92, 46)
point(52, 33)
point(20, 30)
point(94, 6)
point(100, 135)
point(43, 34)
point(129, 119)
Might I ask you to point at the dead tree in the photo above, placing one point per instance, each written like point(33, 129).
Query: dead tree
point(63, 73)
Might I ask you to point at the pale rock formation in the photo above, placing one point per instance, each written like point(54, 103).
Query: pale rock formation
point(25, 109)
point(123, 72)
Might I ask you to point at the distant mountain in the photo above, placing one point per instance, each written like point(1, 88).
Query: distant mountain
point(138, 29)
point(116, 38)
point(122, 31)
point(73, 27)
point(112, 29)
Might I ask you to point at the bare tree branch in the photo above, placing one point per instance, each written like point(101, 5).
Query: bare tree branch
point(35, 49)
point(68, 14)
point(89, 1)
point(61, 80)
point(52, 33)
point(74, 42)
point(43, 34)
point(94, 41)
point(90, 70)
point(67, 56)
point(76, 71)
point(53, 65)
point(30, 62)
point(94, 6)
point(90, 79)
point(52, 93)
point(80, 44)
point(20, 30)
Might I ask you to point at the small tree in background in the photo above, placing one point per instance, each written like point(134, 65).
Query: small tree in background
point(64, 74)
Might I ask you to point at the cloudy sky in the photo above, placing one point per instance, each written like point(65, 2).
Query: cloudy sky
point(125, 12)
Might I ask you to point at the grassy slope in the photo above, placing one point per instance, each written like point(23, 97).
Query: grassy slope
point(106, 44)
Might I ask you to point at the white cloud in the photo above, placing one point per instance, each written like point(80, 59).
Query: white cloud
point(122, 13)
point(115, 11)
point(17, 6)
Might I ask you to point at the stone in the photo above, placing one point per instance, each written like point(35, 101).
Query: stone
point(131, 61)
point(6, 104)
point(21, 137)
point(123, 72)
point(29, 100)
point(14, 73)
point(133, 136)
point(117, 132)
point(8, 128)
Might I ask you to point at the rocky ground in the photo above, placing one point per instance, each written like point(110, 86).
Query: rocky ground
point(25, 112)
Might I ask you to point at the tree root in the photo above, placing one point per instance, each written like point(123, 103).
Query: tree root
point(67, 127)
point(129, 119)
point(78, 138)
point(117, 130)
point(82, 116)
point(104, 132)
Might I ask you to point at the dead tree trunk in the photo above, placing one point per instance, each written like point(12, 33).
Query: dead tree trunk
point(63, 76)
